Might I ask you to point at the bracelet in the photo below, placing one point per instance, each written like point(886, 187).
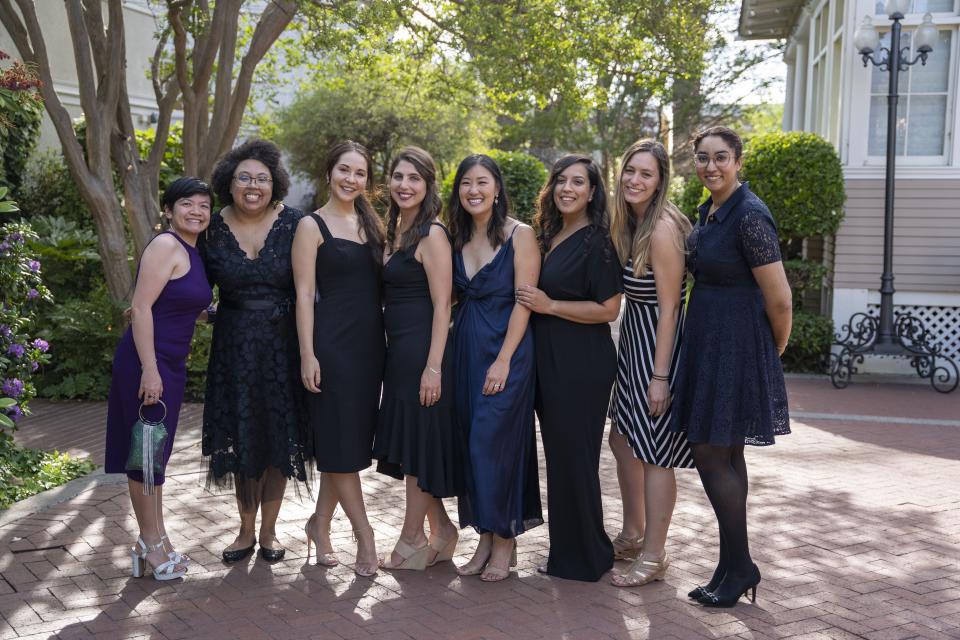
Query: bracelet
point(658, 377)
point(432, 370)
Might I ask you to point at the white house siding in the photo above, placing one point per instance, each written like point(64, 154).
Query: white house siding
point(140, 28)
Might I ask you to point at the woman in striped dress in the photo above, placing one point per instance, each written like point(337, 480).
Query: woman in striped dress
point(649, 233)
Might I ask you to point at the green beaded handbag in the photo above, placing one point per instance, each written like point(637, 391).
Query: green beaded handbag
point(147, 442)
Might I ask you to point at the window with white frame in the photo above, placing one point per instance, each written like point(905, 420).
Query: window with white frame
point(826, 66)
point(925, 108)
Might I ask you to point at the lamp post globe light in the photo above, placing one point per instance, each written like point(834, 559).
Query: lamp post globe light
point(885, 336)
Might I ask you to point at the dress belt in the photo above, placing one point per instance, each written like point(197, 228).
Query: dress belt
point(279, 307)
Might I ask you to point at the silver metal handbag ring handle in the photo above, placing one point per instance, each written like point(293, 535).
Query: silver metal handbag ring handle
point(144, 420)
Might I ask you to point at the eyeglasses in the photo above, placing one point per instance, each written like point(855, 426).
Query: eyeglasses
point(720, 160)
point(246, 180)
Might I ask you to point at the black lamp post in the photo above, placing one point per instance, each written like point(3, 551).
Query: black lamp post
point(905, 335)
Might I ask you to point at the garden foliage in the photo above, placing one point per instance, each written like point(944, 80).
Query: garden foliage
point(20, 113)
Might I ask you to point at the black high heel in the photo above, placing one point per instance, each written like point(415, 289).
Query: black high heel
point(715, 580)
point(727, 596)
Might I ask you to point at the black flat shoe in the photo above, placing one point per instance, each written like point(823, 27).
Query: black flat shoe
point(272, 555)
point(728, 593)
point(236, 555)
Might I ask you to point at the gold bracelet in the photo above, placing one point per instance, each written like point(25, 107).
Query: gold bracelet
point(432, 370)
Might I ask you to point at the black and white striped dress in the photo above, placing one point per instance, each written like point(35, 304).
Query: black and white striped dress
point(650, 438)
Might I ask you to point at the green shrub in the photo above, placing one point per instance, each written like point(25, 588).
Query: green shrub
point(523, 177)
point(86, 331)
point(21, 110)
point(69, 255)
point(803, 275)
point(26, 472)
point(197, 362)
point(22, 293)
point(810, 342)
point(171, 167)
point(48, 189)
point(799, 176)
point(688, 194)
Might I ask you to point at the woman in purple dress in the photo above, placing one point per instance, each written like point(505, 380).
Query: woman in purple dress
point(149, 367)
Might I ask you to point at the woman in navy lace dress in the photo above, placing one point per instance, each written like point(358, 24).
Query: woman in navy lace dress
point(729, 389)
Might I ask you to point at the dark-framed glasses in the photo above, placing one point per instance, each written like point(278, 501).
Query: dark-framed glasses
point(721, 159)
point(246, 180)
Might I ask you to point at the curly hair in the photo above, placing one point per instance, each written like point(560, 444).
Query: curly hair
point(262, 150)
point(549, 221)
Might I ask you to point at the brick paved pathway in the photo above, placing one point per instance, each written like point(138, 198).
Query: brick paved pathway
point(855, 526)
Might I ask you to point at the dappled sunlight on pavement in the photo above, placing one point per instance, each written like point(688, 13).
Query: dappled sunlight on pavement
point(855, 526)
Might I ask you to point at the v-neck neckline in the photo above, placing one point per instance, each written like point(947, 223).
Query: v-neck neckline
point(266, 238)
point(486, 264)
point(563, 242)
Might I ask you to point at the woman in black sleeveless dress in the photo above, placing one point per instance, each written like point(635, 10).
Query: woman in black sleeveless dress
point(578, 296)
point(336, 267)
point(416, 434)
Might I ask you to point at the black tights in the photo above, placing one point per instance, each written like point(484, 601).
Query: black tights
point(723, 472)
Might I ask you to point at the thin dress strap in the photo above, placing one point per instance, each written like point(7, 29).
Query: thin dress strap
point(324, 231)
point(514, 230)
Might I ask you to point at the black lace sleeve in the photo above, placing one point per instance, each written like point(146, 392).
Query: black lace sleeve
point(758, 240)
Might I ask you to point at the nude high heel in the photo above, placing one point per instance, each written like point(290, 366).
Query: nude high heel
point(443, 550)
point(324, 558)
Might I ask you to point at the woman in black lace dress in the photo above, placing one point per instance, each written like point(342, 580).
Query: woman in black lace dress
point(729, 388)
point(253, 430)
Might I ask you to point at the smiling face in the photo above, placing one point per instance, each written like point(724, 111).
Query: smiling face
point(572, 190)
point(190, 215)
point(717, 165)
point(349, 176)
point(407, 187)
point(639, 180)
point(252, 186)
point(478, 189)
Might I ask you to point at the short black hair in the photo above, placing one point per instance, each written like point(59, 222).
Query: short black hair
point(257, 149)
point(184, 188)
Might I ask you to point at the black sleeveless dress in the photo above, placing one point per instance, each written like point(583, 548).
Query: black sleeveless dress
point(349, 344)
point(412, 439)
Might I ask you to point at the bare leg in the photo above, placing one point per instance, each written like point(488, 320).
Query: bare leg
point(480, 556)
point(660, 489)
point(273, 486)
point(631, 478)
point(350, 494)
point(442, 530)
point(501, 559)
point(418, 503)
point(148, 511)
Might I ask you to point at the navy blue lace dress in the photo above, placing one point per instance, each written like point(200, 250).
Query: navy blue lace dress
point(729, 388)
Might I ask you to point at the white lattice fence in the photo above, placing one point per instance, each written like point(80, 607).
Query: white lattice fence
point(943, 323)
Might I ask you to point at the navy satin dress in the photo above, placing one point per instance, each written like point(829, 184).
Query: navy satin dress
point(502, 488)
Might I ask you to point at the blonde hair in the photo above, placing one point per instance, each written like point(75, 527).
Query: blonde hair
point(631, 238)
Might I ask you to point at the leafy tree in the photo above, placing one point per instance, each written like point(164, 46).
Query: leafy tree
point(20, 112)
point(384, 106)
point(204, 65)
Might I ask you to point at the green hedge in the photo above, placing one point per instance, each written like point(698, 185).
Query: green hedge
point(809, 343)
point(799, 176)
point(523, 177)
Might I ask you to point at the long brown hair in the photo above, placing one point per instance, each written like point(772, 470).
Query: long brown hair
point(430, 207)
point(549, 220)
point(631, 237)
point(370, 222)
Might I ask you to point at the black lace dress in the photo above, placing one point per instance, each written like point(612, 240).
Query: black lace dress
point(253, 414)
point(729, 388)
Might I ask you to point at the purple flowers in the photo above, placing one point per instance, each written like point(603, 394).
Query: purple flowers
point(12, 387)
point(33, 294)
point(16, 238)
point(4, 247)
point(34, 266)
point(4, 331)
point(16, 350)
point(14, 412)
point(41, 344)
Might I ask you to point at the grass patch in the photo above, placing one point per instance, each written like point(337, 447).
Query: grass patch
point(26, 472)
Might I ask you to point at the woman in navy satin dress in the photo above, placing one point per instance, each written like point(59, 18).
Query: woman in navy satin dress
point(493, 349)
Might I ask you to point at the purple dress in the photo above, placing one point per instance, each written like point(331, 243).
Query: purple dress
point(174, 315)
